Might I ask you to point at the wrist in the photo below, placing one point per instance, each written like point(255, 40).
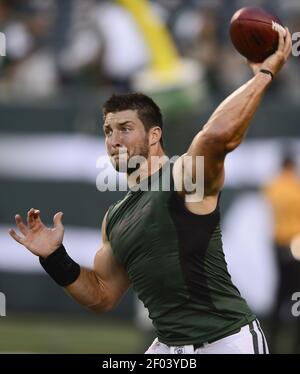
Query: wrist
point(60, 266)
point(263, 80)
point(268, 73)
point(44, 257)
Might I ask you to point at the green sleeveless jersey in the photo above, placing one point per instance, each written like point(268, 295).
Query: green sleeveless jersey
point(175, 262)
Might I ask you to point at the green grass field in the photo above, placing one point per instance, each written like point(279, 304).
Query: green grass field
point(40, 334)
point(57, 334)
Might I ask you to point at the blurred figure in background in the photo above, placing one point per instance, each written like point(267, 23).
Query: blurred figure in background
point(283, 193)
point(29, 67)
point(116, 52)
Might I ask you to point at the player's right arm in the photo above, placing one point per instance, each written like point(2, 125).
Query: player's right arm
point(99, 289)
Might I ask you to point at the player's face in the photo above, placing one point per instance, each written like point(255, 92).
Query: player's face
point(125, 137)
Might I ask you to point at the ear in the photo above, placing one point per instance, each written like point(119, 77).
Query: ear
point(155, 134)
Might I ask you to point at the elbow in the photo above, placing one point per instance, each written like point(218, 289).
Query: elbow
point(217, 138)
point(96, 309)
point(103, 303)
point(232, 145)
point(223, 138)
point(101, 308)
point(234, 141)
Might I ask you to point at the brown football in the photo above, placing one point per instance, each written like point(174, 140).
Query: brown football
point(253, 33)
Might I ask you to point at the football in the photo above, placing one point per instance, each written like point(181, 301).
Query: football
point(254, 33)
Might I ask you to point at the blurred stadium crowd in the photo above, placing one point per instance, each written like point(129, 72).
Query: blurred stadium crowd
point(54, 45)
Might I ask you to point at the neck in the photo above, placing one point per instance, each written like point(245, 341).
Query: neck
point(149, 167)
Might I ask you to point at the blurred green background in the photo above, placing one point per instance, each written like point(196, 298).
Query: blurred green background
point(56, 334)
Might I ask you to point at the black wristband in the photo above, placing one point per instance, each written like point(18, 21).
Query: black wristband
point(265, 71)
point(61, 268)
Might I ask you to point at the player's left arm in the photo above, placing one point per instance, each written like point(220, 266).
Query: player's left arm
point(227, 126)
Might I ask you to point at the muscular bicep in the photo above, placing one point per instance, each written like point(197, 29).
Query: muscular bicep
point(111, 276)
point(212, 149)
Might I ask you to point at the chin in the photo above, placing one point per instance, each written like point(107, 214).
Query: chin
point(120, 166)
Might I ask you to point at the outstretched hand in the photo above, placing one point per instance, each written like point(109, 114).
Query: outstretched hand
point(37, 238)
point(276, 61)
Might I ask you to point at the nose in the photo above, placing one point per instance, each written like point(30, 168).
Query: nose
point(115, 140)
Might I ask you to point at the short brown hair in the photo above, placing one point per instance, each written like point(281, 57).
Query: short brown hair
point(147, 110)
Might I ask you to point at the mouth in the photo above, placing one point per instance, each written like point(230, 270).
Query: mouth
point(119, 154)
point(120, 161)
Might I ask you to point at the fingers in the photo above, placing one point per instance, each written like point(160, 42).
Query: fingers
point(288, 43)
point(281, 35)
point(33, 217)
point(57, 219)
point(30, 219)
point(36, 216)
point(15, 236)
point(21, 226)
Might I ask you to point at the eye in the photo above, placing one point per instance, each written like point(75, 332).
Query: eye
point(107, 132)
point(125, 129)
